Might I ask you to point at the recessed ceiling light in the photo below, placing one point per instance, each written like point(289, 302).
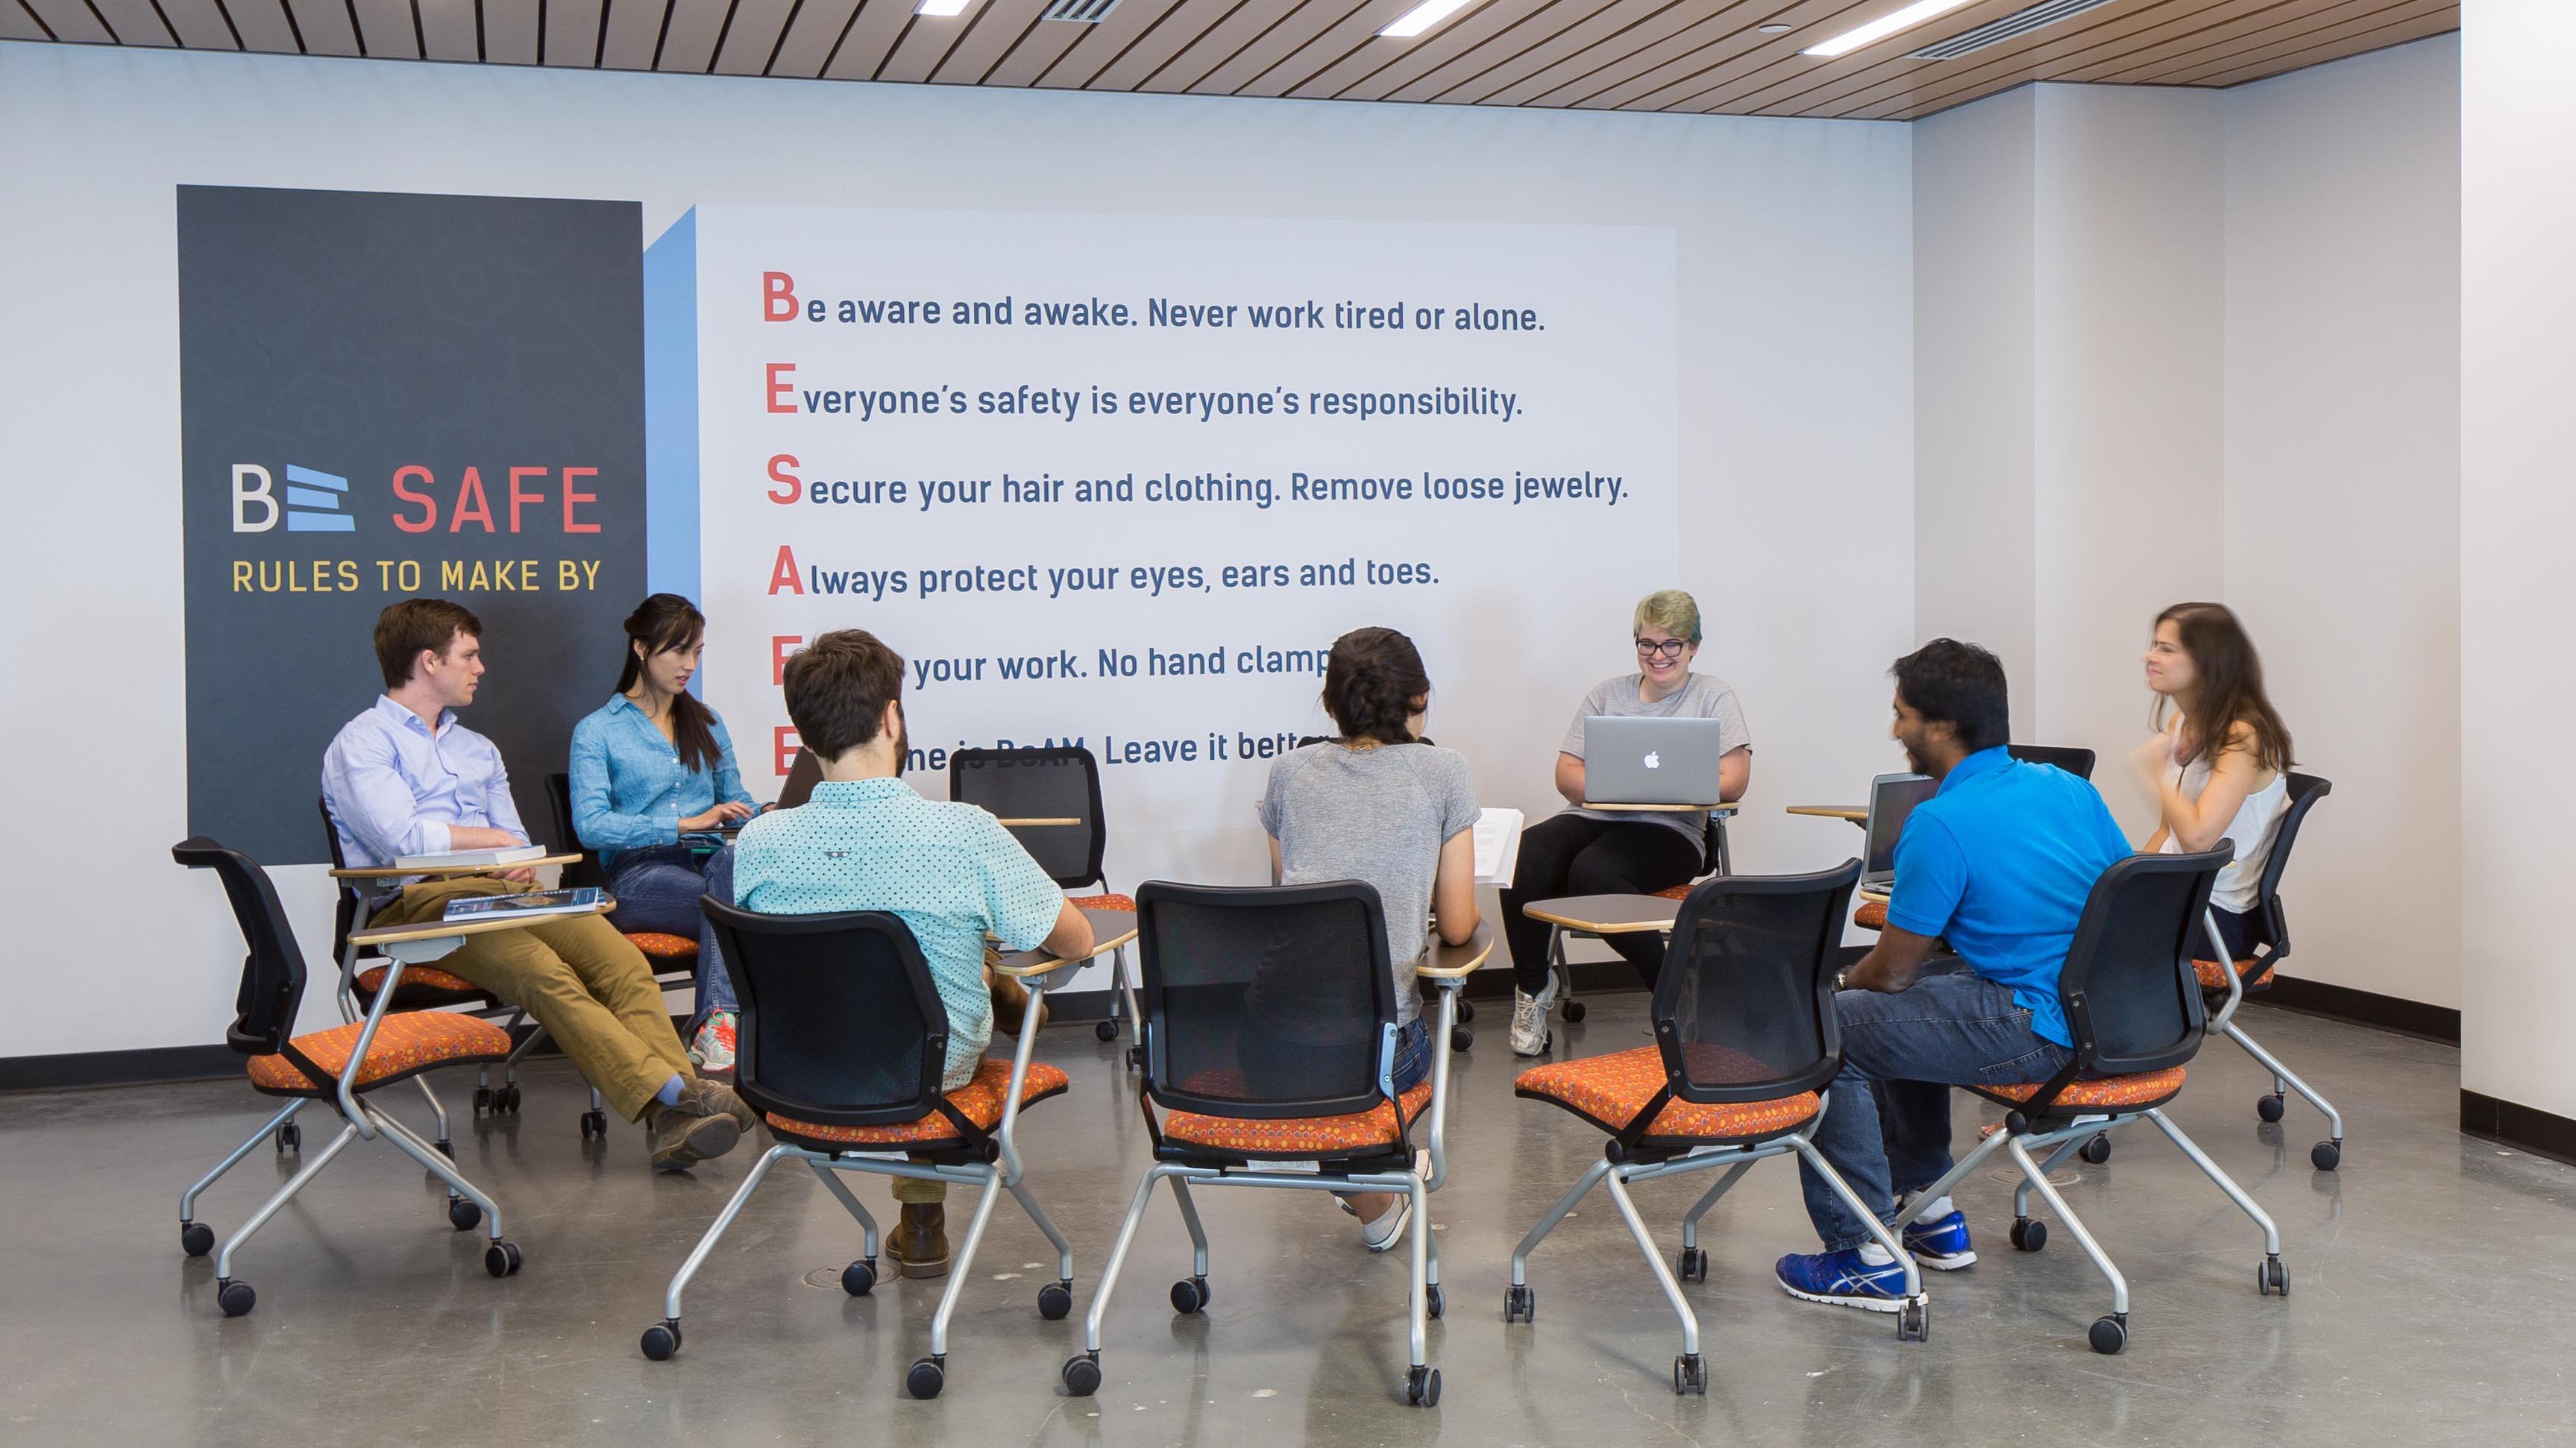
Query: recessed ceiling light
point(1773, 29)
point(1422, 17)
point(942, 7)
point(1886, 25)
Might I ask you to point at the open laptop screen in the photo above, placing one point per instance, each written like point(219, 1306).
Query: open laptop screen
point(1892, 797)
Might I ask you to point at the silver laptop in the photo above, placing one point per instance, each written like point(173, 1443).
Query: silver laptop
point(1892, 797)
point(1630, 760)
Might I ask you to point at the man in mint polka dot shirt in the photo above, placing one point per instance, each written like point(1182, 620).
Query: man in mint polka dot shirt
point(867, 841)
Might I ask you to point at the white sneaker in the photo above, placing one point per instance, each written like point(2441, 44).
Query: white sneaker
point(1529, 1019)
point(1382, 1234)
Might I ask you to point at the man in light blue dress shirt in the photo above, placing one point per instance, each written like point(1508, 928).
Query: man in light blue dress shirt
point(404, 778)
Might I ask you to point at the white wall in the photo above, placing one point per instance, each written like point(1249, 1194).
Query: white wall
point(2517, 513)
point(2343, 490)
point(1796, 427)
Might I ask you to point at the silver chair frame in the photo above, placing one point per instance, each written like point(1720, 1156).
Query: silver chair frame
point(1412, 1181)
point(363, 1120)
point(1913, 1314)
point(1007, 1174)
point(2283, 1078)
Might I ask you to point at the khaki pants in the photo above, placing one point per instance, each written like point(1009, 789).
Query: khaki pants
point(580, 979)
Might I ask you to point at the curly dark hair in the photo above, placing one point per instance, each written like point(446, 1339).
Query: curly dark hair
point(1370, 685)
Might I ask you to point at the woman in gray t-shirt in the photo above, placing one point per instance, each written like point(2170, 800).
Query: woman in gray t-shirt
point(1594, 852)
point(1379, 806)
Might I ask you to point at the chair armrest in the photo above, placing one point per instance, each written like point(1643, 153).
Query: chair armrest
point(448, 872)
point(1440, 960)
point(385, 935)
point(1110, 929)
point(1607, 914)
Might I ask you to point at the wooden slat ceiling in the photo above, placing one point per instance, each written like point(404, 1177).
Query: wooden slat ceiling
point(1709, 57)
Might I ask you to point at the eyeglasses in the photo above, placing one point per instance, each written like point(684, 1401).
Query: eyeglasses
point(1668, 649)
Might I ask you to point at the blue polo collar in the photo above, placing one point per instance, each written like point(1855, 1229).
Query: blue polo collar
point(1984, 761)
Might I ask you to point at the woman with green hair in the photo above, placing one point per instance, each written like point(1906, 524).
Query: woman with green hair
point(1581, 851)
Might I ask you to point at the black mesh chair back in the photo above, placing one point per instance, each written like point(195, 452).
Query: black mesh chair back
point(841, 1024)
point(2271, 925)
point(2077, 762)
point(344, 910)
point(2132, 1000)
point(1062, 782)
point(272, 984)
point(1266, 1002)
point(568, 839)
point(1743, 1006)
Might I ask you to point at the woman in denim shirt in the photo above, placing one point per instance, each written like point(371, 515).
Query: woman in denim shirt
point(650, 767)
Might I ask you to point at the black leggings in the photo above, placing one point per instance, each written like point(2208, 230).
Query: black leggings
point(1571, 855)
point(2236, 930)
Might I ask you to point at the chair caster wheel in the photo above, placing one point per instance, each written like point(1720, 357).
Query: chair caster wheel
point(1691, 1264)
point(2326, 1155)
point(2029, 1235)
point(1914, 1321)
point(1055, 1301)
point(196, 1238)
point(1135, 1058)
point(2108, 1335)
point(2269, 1107)
point(1106, 1030)
point(1422, 1387)
point(290, 1137)
point(1520, 1304)
point(926, 1378)
point(236, 1298)
point(1466, 1009)
point(2098, 1150)
point(662, 1339)
point(1461, 1039)
point(860, 1277)
point(1433, 1304)
point(502, 1259)
point(1082, 1374)
point(463, 1215)
point(594, 1124)
point(1189, 1295)
point(1690, 1374)
point(1573, 1012)
point(2272, 1279)
point(484, 1100)
point(509, 1101)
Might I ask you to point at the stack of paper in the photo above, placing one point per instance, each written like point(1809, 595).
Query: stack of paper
point(1498, 845)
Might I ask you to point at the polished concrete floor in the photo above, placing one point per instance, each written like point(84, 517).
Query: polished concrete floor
point(2430, 1285)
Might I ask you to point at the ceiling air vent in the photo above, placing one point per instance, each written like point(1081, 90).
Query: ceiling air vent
point(1080, 12)
point(1996, 32)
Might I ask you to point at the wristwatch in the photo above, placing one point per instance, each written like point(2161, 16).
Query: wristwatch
point(1842, 980)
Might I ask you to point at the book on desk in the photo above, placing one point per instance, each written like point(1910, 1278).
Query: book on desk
point(535, 903)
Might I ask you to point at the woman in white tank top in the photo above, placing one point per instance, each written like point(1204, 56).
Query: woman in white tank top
point(2217, 767)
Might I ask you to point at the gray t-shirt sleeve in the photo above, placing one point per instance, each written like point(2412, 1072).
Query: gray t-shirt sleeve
point(1732, 732)
point(1595, 701)
point(1273, 808)
point(1457, 798)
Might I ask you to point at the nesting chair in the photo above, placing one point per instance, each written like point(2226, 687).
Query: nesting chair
point(339, 1067)
point(843, 1041)
point(1058, 784)
point(1745, 1047)
point(2272, 946)
point(674, 958)
point(1269, 1036)
point(2133, 1003)
point(1589, 917)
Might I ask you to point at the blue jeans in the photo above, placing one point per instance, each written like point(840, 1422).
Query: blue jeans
point(658, 889)
point(1887, 1126)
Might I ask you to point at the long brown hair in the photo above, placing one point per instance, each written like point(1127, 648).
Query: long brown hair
point(661, 623)
point(2231, 688)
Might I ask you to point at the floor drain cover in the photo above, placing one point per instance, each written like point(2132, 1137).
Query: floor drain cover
point(824, 1277)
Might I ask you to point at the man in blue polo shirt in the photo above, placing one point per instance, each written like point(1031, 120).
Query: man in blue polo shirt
point(1997, 864)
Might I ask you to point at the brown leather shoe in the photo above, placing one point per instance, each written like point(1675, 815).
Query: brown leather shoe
point(681, 1137)
point(1011, 1007)
point(919, 1242)
point(714, 1098)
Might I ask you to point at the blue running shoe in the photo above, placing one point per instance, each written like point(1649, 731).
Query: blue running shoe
point(1940, 1244)
point(1842, 1279)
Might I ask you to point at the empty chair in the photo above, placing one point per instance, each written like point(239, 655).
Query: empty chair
point(2133, 1004)
point(842, 1043)
point(1564, 926)
point(1745, 1045)
point(1269, 1036)
point(339, 1066)
point(1060, 785)
point(2256, 973)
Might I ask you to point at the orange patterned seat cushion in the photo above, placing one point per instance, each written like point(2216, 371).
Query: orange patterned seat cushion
point(1298, 1137)
point(979, 1101)
point(1872, 915)
point(406, 1041)
point(1610, 1090)
point(1677, 892)
point(2212, 977)
point(426, 977)
point(2145, 1088)
point(1103, 902)
point(659, 945)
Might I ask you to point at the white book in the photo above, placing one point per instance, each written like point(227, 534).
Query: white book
point(1498, 845)
point(472, 859)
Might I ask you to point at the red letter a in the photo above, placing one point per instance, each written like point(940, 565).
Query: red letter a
point(784, 575)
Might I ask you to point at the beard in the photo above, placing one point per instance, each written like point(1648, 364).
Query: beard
point(902, 741)
point(1914, 761)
